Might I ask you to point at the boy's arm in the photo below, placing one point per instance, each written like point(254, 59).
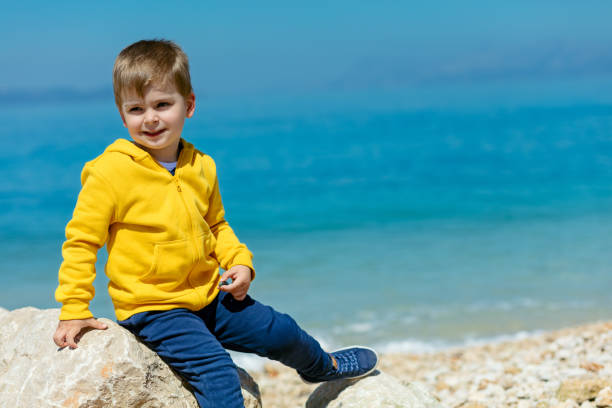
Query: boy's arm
point(229, 251)
point(86, 233)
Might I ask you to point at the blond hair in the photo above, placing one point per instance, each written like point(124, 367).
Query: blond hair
point(151, 61)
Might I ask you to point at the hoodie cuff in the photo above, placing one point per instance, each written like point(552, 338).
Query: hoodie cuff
point(75, 310)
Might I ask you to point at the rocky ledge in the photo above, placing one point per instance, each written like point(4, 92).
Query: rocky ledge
point(111, 368)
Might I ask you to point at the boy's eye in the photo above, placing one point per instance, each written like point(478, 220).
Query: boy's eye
point(134, 109)
point(163, 104)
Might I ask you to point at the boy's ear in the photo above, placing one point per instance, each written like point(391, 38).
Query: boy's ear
point(122, 119)
point(190, 101)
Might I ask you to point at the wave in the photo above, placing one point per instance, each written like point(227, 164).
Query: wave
point(413, 346)
point(254, 363)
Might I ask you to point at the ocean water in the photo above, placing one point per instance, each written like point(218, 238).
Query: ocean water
point(405, 220)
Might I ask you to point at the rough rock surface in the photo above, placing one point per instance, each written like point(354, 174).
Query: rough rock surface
point(110, 368)
point(581, 389)
point(377, 390)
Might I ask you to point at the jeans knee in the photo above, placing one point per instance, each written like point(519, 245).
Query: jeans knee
point(285, 337)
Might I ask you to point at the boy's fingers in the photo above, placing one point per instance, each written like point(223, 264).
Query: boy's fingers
point(228, 288)
point(237, 290)
point(96, 324)
point(225, 276)
point(58, 339)
point(70, 338)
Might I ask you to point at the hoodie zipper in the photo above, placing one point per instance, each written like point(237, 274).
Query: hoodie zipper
point(191, 227)
point(186, 207)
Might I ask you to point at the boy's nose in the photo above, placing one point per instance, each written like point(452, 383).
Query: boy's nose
point(151, 119)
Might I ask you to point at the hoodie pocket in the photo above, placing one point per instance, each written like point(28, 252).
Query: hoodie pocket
point(172, 262)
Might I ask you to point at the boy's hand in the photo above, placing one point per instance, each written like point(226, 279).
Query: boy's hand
point(241, 280)
point(69, 332)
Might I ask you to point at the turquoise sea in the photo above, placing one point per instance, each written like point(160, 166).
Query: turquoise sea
point(404, 219)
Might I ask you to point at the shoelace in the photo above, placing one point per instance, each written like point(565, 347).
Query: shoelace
point(347, 363)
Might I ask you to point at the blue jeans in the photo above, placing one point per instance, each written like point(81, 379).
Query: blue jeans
point(194, 343)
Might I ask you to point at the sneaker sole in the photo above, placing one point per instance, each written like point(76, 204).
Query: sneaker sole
point(350, 378)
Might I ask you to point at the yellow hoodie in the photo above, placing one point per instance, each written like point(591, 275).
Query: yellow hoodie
point(166, 235)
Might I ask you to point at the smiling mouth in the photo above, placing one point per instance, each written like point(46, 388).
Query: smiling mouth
point(153, 134)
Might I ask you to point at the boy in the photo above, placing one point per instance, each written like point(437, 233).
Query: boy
point(155, 202)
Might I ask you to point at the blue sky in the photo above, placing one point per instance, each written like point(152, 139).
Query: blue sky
point(250, 47)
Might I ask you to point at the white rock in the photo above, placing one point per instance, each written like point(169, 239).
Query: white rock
point(564, 354)
point(567, 404)
point(110, 368)
point(377, 390)
point(604, 398)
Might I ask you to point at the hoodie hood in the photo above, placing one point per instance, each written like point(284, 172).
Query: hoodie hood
point(137, 153)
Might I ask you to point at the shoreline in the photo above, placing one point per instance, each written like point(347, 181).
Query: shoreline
point(535, 370)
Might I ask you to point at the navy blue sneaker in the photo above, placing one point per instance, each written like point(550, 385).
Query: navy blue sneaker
point(353, 362)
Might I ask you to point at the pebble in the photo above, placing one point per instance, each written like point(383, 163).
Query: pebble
point(604, 398)
point(581, 389)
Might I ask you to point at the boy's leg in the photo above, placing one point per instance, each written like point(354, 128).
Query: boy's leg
point(252, 327)
point(183, 341)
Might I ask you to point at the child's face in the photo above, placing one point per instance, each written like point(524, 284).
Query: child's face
point(155, 120)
